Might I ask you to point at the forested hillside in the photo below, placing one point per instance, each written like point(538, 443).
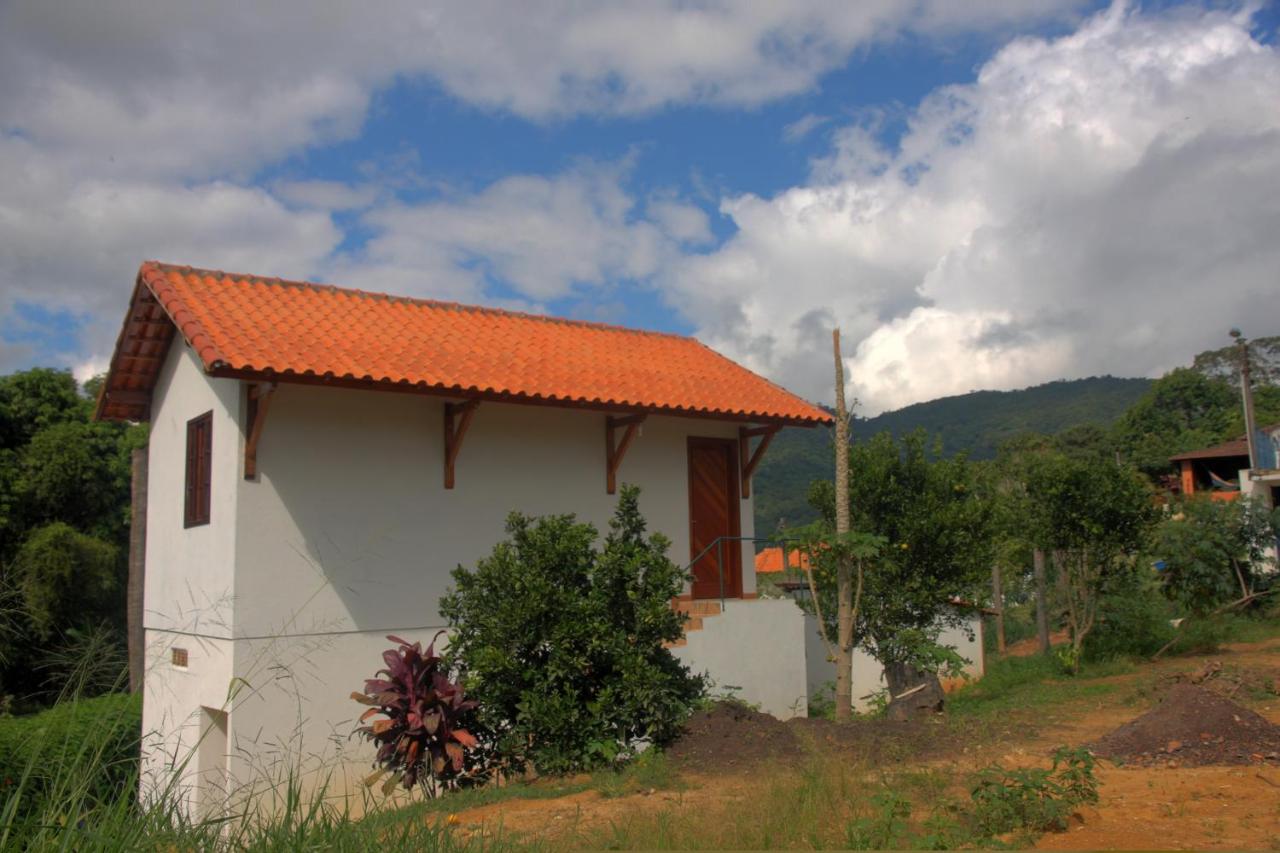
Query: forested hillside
point(977, 422)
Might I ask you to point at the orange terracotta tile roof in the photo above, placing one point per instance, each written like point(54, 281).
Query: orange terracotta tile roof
point(770, 560)
point(266, 328)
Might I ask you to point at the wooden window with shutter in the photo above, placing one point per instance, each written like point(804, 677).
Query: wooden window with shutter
point(199, 459)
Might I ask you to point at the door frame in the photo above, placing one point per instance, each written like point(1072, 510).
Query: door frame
point(733, 551)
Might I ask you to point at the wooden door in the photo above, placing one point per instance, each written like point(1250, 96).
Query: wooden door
point(713, 512)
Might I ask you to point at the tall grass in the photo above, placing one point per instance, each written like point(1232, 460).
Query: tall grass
point(71, 782)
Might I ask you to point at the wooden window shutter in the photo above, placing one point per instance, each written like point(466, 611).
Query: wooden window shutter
point(199, 467)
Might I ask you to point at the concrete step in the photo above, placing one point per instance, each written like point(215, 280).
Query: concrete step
point(698, 608)
point(697, 612)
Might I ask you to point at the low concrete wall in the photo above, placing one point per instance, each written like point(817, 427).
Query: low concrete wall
point(868, 675)
point(755, 649)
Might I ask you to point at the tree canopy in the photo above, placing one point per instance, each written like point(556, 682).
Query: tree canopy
point(64, 524)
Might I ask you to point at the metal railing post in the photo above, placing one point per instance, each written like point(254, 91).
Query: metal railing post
point(720, 569)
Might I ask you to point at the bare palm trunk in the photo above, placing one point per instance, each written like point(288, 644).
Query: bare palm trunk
point(997, 603)
point(1042, 606)
point(844, 571)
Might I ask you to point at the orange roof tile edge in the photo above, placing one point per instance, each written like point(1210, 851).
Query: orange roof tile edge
point(203, 306)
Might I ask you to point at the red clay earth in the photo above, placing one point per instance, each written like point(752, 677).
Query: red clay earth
point(1193, 727)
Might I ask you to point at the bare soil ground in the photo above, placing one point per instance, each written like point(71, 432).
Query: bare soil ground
point(1157, 802)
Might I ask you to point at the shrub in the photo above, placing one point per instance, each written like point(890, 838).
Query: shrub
point(420, 737)
point(562, 644)
point(1034, 798)
point(1133, 619)
point(102, 733)
point(1213, 550)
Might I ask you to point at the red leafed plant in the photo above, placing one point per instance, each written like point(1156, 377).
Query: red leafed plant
point(419, 736)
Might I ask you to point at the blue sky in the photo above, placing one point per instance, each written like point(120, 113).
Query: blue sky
point(939, 180)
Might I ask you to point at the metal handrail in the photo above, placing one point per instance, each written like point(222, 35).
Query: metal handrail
point(718, 543)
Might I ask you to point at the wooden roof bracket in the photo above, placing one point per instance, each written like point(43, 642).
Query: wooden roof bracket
point(457, 420)
point(257, 402)
point(616, 450)
point(748, 460)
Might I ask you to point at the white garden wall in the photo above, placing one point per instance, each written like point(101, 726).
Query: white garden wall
point(868, 674)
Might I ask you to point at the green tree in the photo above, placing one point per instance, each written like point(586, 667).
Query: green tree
point(564, 644)
point(67, 580)
point(64, 521)
point(937, 536)
point(1183, 410)
point(1095, 515)
point(1213, 551)
point(32, 400)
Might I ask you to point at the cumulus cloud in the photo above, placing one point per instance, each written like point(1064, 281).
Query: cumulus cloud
point(1099, 202)
point(541, 236)
point(133, 130)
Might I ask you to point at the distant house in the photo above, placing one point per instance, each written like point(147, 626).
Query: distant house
point(1225, 472)
point(770, 560)
point(321, 459)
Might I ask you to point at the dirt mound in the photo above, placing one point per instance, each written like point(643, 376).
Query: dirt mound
point(730, 734)
point(1193, 727)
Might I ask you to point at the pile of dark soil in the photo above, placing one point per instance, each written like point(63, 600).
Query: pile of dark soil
point(730, 734)
point(877, 740)
point(1193, 727)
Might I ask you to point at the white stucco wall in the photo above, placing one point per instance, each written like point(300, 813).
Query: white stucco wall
point(189, 595)
point(348, 534)
point(754, 650)
point(868, 674)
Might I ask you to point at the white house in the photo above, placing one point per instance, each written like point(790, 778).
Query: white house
point(321, 459)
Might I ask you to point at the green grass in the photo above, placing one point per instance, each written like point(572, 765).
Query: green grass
point(1027, 683)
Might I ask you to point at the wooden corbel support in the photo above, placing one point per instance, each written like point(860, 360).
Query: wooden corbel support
point(457, 419)
point(747, 459)
point(616, 450)
point(259, 400)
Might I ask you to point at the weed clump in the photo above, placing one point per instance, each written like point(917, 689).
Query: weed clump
point(1034, 799)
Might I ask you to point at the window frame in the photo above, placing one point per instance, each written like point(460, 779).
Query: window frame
point(198, 489)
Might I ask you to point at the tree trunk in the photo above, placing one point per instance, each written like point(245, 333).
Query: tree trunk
point(997, 603)
point(1042, 607)
point(912, 692)
point(844, 571)
point(136, 637)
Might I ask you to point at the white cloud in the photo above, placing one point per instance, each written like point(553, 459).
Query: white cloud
point(135, 129)
point(1101, 202)
point(803, 126)
point(542, 236)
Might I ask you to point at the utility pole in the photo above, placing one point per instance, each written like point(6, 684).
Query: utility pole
point(844, 574)
point(1246, 396)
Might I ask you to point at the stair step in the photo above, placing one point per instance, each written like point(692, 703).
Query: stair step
point(693, 623)
point(699, 608)
point(676, 643)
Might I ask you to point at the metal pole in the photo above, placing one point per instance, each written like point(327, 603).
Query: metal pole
point(720, 568)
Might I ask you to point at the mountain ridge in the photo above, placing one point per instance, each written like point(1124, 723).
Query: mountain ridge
point(976, 423)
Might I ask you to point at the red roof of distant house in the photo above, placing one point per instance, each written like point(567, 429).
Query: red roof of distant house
point(1236, 447)
point(1225, 450)
point(770, 560)
point(270, 329)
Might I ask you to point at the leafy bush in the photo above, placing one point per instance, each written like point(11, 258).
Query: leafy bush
point(103, 732)
point(1212, 550)
point(1133, 619)
point(420, 737)
point(562, 644)
point(1034, 798)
